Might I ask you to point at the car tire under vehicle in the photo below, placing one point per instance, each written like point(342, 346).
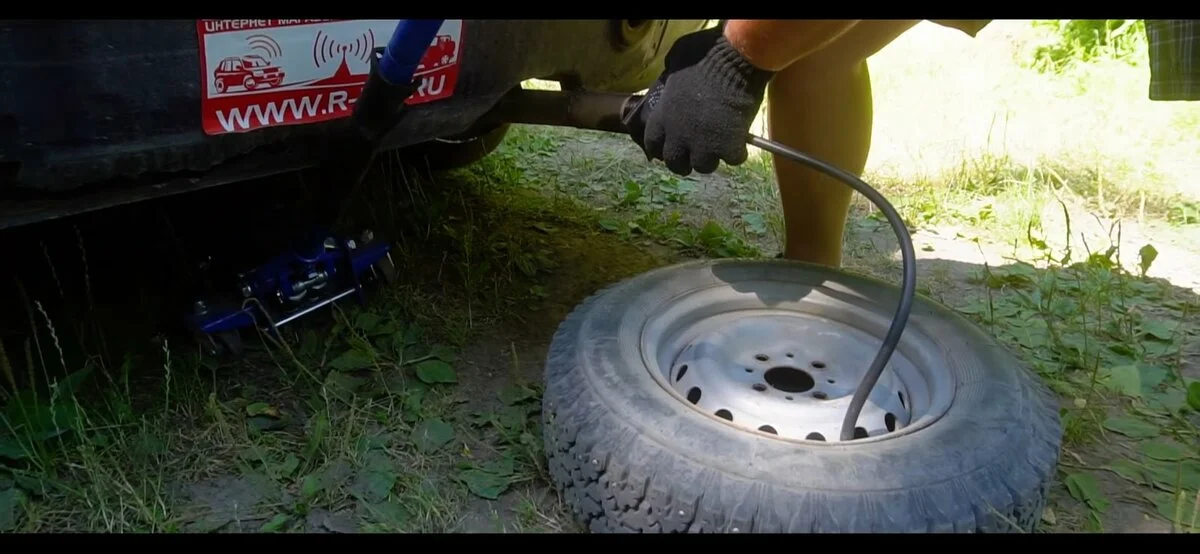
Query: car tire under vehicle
point(972, 447)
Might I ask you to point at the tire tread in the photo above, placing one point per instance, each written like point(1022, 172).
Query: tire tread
point(651, 490)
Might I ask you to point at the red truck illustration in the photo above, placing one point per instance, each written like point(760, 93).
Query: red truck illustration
point(248, 72)
point(440, 52)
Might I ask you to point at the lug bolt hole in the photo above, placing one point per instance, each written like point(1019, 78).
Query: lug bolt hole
point(819, 365)
point(820, 395)
point(758, 387)
point(761, 357)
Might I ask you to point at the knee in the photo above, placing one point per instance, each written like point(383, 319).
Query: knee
point(848, 54)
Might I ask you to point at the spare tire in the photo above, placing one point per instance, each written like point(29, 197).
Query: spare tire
point(707, 397)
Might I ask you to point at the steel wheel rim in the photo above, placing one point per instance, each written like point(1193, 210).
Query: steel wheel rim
point(736, 347)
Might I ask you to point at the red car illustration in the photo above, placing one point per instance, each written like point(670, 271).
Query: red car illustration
point(248, 72)
point(440, 53)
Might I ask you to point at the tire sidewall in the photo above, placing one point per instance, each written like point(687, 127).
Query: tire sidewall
point(998, 414)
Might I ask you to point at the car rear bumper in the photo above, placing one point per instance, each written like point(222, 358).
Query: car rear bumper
point(87, 101)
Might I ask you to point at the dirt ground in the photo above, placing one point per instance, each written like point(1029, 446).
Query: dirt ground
point(418, 411)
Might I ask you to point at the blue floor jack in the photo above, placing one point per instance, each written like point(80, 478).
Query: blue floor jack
point(324, 267)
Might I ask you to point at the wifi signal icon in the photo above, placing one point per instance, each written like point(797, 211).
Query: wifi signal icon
point(265, 44)
point(327, 49)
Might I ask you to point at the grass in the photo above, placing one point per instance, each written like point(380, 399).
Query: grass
point(1052, 209)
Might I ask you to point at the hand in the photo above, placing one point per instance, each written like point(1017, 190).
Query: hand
point(701, 108)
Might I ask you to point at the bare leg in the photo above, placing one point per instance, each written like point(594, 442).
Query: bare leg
point(822, 106)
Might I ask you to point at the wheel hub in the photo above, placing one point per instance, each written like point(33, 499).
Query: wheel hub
point(790, 373)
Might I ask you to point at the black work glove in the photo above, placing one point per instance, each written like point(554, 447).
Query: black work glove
point(701, 108)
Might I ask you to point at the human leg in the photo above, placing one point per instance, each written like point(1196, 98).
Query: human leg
point(822, 105)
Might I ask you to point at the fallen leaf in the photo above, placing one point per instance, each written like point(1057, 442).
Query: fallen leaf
point(1193, 395)
point(1133, 428)
point(436, 371)
point(1048, 516)
point(432, 434)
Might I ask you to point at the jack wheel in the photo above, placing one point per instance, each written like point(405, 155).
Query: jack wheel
point(387, 271)
point(226, 344)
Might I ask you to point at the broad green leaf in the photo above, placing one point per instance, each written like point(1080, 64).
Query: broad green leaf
point(413, 400)
point(1174, 507)
point(275, 524)
point(10, 447)
point(352, 360)
point(312, 484)
point(1193, 395)
point(504, 465)
point(288, 466)
point(1163, 451)
point(374, 485)
point(436, 371)
point(444, 353)
point(485, 484)
point(12, 501)
point(375, 441)
point(265, 423)
point(1152, 376)
point(1084, 488)
point(71, 384)
point(341, 386)
point(390, 513)
point(1126, 379)
point(1133, 428)
point(1146, 256)
point(319, 425)
point(1172, 475)
point(432, 434)
point(1158, 330)
point(1128, 470)
point(515, 394)
point(262, 409)
point(367, 322)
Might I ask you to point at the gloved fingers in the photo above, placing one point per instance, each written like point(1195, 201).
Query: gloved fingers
point(654, 137)
point(734, 151)
point(705, 162)
point(677, 156)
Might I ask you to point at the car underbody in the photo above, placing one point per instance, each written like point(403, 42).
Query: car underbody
point(103, 112)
